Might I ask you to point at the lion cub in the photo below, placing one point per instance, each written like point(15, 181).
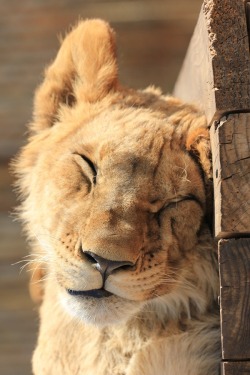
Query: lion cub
point(116, 197)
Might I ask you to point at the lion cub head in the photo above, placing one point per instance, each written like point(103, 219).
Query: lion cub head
point(115, 185)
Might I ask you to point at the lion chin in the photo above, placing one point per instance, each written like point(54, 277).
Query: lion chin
point(100, 311)
point(116, 194)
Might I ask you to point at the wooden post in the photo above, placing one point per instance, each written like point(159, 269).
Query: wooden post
point(234, 258)
point(216, 76)
point(230, 141)
point(216, 72)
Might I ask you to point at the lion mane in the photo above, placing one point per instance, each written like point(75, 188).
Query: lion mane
point(116, 197)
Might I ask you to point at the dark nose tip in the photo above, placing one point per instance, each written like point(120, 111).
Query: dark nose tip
point(106, 266)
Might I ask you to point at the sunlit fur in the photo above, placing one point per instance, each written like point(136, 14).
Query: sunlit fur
point(149, 204)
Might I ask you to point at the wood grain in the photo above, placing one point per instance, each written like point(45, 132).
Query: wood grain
point(215, 73)
point(235, 368)
point(230, 140)
point(234, 263)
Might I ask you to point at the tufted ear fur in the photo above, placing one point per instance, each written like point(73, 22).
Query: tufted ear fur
point(85, 70)
point(198, 144)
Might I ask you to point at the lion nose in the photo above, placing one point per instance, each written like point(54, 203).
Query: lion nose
point(106, 266)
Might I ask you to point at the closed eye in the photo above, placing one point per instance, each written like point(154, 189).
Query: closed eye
point(93, 170)
point(92, 167)
point(192, 197)
point(174, 202)
point(188, 197)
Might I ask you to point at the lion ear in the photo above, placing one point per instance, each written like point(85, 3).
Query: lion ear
point(85, 70)
point(198, 144)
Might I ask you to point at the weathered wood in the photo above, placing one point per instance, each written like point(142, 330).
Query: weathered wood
point(248, 18)
point(216, 76)
point(230, 139)
point(235, 368)
point(234, 263)
point(215, 73)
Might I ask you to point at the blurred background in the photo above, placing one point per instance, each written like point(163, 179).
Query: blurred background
point(152, 37)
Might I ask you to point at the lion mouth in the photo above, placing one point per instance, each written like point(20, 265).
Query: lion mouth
point(95, 293)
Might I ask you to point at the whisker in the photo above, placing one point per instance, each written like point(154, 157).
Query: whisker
point(36, 259)
point(45, 278)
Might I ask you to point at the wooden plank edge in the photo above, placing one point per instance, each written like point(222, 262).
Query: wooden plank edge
point(225, 217)
point(215, 74)
point(235, 368)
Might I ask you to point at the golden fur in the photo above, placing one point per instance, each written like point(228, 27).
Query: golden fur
point(125, 175)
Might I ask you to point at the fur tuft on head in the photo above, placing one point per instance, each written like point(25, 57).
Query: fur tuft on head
point(85, 70)
point(198, 142)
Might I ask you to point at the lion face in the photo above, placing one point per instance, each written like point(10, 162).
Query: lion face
point(116, 201)
point(121, 194)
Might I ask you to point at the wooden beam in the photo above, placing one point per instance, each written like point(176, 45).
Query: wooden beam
point(234, 263)
point(215, 74)
point(230, 140)
point(235, 368)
